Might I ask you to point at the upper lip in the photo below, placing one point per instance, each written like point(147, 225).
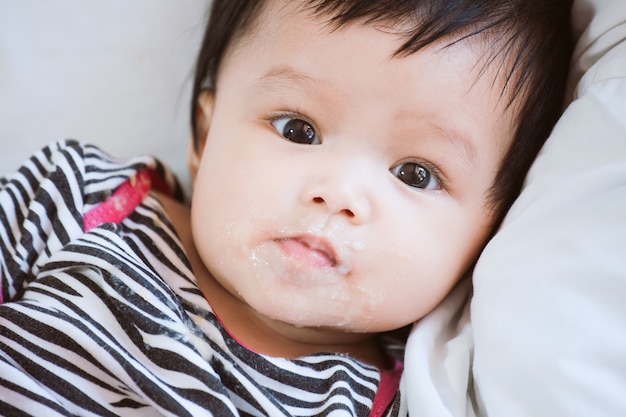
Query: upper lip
point(319, 244)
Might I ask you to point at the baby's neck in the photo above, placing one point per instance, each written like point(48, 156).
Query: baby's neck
point(275, 338)
point(261, 334)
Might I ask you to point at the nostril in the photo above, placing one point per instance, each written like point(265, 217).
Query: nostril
point(348, 212)
point(345, 211)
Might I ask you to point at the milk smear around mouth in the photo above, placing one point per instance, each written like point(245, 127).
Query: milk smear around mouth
point(269, 255)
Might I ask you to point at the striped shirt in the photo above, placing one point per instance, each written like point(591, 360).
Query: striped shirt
point(100, 314)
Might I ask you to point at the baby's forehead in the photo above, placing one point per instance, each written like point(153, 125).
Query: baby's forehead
point(490, 58)
point(419, 24)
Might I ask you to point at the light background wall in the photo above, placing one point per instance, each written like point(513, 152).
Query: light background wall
point(116, 73)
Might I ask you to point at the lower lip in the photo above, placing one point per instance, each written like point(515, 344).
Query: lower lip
point(302, 253)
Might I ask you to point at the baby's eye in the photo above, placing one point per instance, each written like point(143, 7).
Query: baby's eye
point(296, 130)
point(416, 175)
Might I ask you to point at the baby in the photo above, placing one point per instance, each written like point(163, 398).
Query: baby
point(349, 160)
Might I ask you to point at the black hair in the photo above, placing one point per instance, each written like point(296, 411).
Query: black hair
point(532, 43)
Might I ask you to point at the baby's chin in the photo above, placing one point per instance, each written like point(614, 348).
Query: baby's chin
point(315, 316)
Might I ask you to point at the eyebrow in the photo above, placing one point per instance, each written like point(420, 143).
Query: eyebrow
point(459, 141)
point(284, 76)
point(457, 138)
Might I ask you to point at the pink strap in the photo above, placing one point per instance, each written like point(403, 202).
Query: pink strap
point(387, 388)
point(121, 203)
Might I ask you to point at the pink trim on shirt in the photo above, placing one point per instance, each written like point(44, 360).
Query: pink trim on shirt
point(121, 203)
point(387, 388)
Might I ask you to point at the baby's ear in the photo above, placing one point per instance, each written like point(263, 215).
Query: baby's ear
point(204, 112)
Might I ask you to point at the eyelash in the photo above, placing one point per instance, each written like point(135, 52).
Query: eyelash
point(443, 184)
point(273, 117)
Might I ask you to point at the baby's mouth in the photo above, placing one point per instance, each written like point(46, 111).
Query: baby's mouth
point(310, 250)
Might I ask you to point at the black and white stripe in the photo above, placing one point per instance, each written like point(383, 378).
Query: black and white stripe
point(111, 323)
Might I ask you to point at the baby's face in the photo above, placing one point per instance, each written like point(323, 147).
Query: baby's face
point(340, 187)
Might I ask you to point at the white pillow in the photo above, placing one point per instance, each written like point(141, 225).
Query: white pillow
point(548, 314)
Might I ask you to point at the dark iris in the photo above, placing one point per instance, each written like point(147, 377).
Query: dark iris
point(414, 175)
point(299, 131)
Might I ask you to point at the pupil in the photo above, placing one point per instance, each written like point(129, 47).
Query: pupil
point(414, 175)
point(299, 131)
